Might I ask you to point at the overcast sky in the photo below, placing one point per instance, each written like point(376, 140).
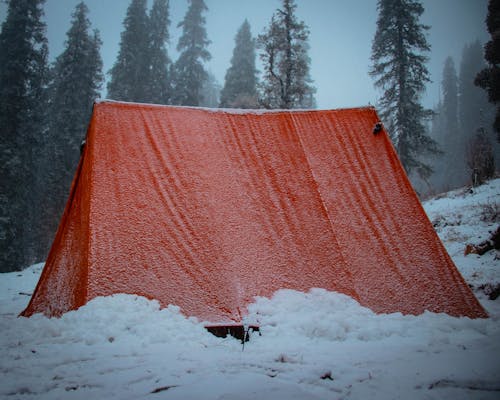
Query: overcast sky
point(341, 35)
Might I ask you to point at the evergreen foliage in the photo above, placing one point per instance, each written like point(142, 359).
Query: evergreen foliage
point(23, 79)
point(240, 86)
point(476, 114)
point(452, 140)
point(460, 127)
point(131, 72)
point(398, 56)
point(489, 77)
point(210, 92)
point(160, 90)
point(473, 102)
point(286, 83)
point(480, 158)
point(190, 73)
point(77, 80)
point(450, 96)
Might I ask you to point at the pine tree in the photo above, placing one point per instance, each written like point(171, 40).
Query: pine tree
point(450, 96)
point(473, 104)
point(23, 76)
point(489, 77)
point(240, 86)
point(160, 89)
point(444, 130)
point(398, 56)
point(190, 72)
point(475, 112)
point(77, 80)
point(131, 72)
point(472, 100)
point(210, 92)
point(480, 158)
point(451, 143)
point(287, 83)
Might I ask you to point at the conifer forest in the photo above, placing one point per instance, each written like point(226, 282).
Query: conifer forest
point(46, 99)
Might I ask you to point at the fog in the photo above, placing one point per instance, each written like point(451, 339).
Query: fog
point(341, 33)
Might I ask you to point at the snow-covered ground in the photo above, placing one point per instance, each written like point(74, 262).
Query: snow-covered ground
point(317, 345)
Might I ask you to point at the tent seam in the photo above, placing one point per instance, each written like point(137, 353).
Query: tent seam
point(89, 153)
point(318, 191)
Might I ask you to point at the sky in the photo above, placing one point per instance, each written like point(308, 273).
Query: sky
point(341, 35)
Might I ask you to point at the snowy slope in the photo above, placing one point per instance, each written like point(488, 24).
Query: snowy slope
point(468, 216)
point(317, 345)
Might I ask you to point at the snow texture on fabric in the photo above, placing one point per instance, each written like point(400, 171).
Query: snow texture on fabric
point(207, 210)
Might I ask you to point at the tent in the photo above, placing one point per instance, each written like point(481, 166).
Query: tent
point(206, 209)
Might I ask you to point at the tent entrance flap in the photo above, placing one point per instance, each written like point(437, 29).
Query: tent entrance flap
point(239, 332)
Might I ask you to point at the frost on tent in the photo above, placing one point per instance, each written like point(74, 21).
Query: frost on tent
point(207, 209)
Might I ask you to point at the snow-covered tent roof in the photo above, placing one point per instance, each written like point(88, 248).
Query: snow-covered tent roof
point(206, 209)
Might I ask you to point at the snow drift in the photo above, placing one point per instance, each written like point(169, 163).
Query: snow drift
point(314, 345)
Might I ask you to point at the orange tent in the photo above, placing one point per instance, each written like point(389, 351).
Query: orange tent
point(206, 209)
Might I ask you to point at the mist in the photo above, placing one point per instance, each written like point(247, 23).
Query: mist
point(341, 34)
point(40, 159)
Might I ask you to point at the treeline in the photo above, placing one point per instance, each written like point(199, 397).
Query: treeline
point(462, 125)
point(45, 109)
point(44, 112)
point(454, 144)
point(144, 72)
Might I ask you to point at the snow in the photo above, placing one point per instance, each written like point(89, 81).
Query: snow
point(463, 216)
point(314, 345)
point(245, 111)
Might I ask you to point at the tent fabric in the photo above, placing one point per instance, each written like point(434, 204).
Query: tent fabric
point(206, 209)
